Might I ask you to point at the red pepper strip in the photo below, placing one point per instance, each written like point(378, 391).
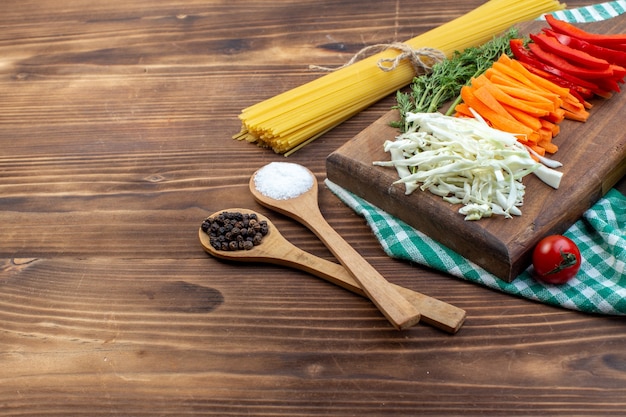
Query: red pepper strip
point(618, 72)
point(524, 55)
point(566, 66)
point(608, 84)
point(611, 55)
point(550, 44)
point(581, 93)
point(571, 30)
point(619, 48)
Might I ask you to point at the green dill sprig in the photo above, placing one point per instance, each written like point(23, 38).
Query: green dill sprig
point(429, 92)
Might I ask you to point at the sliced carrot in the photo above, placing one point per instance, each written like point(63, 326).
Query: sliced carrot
point(512, 73)
point(541, 105)
point(553, 127)
point(570, 111)
point(539, 81)
point(529, 95)
point(556, 116)
point(484, 95)
point(497, 77)
point(497, 120)
point(479, 81)
point(523, 117)
point(544, 135)
point(576, 116)
point(502, 79)
point(541, 151)
point(504, 98)
point(505, 59)
point(575, 107)
point(509, 83)
point(513, 99)
point(548, 146)
point(462, 109)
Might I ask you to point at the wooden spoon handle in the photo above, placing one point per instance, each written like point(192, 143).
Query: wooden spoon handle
point(434, 312)
point(385, 296)
point(304, 208)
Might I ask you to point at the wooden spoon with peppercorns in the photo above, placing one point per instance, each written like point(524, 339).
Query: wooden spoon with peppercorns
point(274, 248)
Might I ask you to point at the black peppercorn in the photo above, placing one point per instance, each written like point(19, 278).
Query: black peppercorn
point(235, 230)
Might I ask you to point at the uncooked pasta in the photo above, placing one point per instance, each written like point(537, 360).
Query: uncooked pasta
point(294, 118)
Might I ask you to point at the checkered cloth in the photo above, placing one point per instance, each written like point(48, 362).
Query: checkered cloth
point(600, 285)
point(593, 13)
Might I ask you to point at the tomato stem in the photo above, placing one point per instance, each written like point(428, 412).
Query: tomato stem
point(567, 260)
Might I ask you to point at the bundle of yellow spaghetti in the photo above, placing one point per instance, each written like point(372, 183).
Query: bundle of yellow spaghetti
point(289, 120)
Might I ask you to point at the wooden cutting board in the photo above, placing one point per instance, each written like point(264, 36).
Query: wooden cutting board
point(594, 158)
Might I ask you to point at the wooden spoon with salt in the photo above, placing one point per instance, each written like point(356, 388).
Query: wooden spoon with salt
point(276, 249)
point(292, 191)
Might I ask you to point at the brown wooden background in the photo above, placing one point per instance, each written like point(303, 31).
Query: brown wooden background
point(115, 125)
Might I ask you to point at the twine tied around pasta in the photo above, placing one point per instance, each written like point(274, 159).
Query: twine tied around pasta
point(421, 59)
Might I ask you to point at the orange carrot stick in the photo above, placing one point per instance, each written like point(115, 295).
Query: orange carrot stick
point(556, 116)
point(576, 116)
point(548, 146)
point(545, 135)
point(516, 75)
point(516, 88)
point(462, 109)
point(539, 81)
point(532, 96)
point(490, 101)
point(541, 151)
point(504, 98)
point(553, 127)
point(523, 117)
point(575, 107)
point(497, 120)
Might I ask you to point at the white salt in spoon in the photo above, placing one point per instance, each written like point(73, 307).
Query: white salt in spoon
point(276, 249)
point(291, 189)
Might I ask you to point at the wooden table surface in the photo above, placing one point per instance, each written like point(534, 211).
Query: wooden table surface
point(115, 130)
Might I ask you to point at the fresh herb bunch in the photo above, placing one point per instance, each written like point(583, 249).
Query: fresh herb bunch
point(430, 91)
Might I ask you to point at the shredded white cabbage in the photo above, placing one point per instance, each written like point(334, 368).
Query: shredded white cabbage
point(463, 160)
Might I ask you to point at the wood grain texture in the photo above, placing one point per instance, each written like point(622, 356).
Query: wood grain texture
point(115, 125)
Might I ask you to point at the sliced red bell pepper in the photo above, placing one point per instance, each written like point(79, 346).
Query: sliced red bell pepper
point(618, 72)
point(578, 56)
point(611, 55)
point(566, 66)
point(608, 84)
point(571, 30)
point(526, 57)
point(581, 93)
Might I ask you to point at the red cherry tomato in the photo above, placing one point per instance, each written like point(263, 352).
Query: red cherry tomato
point(556, 259)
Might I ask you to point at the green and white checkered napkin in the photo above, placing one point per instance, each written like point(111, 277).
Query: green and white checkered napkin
point(592, 13)
point(599, 287)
